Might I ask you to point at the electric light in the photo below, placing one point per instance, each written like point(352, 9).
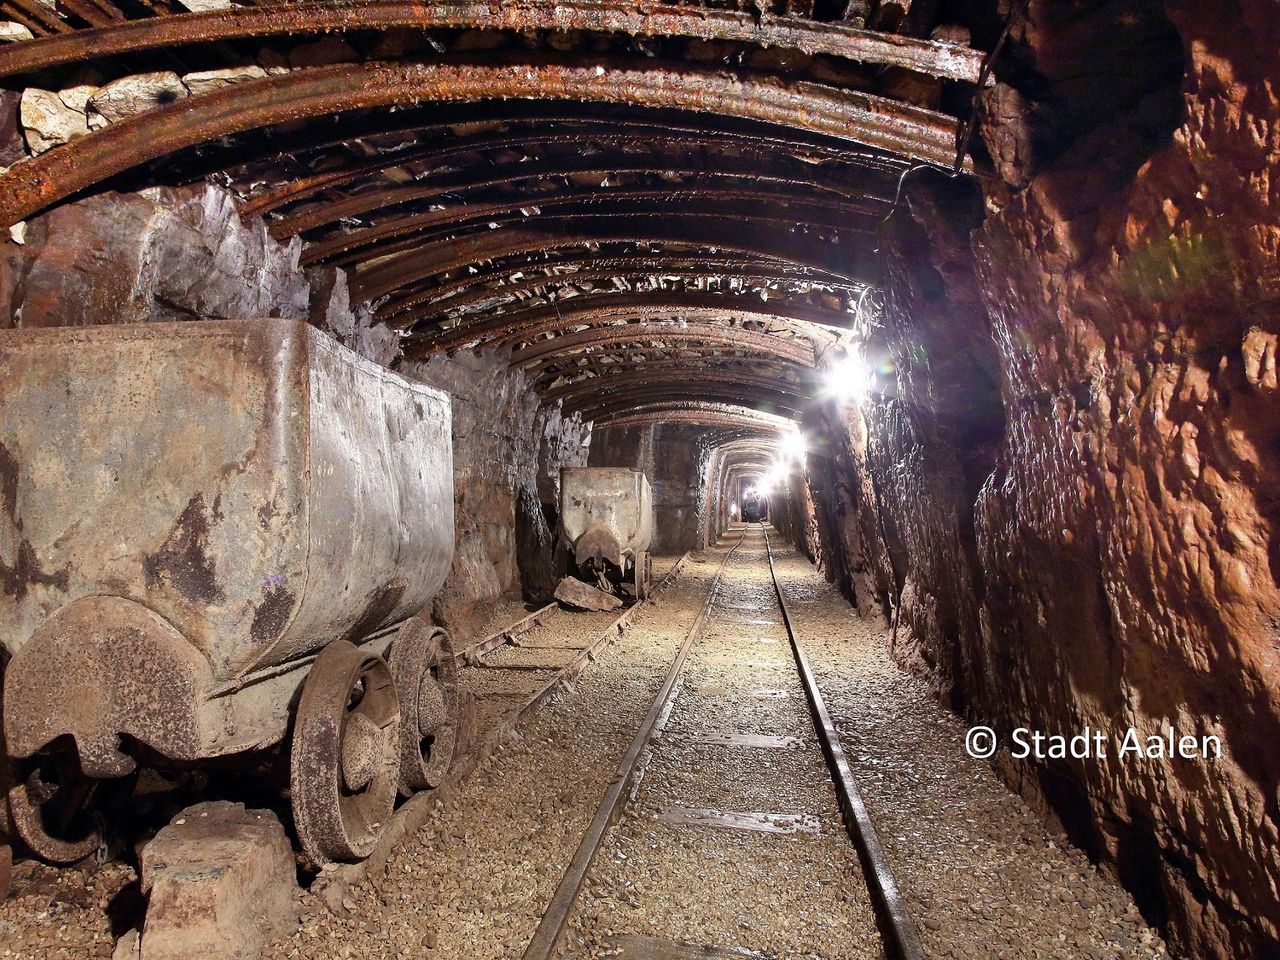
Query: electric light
point(848, 378)
point(792, 445)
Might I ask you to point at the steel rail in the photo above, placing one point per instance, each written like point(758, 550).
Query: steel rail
point(943, 60)
point(550, 929)
point(32, 186)
point(333, 884)
point(896, 926)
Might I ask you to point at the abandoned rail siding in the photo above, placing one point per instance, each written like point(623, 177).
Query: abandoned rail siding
point(655, 480)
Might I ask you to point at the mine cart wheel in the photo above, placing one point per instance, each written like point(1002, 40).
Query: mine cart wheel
point(427, 682)
point(346, 739)
point(51, 807)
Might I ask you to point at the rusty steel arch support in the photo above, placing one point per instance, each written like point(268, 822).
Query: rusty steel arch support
point(27, 188)
point(852, 263)
point(650, 20)
point(433, 186)
point(706, 333)
point(767, 401)
point(724, 201)
point(522, 325)
point(710, 131)
point(715, 415)
point(448, 294)
point(554, 377)
point(756, 272)
point(583, 393)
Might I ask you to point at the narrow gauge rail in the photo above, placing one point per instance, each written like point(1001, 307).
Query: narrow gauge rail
point(490, 717)
point(899, 938)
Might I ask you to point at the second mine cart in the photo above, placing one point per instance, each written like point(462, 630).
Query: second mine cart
point(606, 525)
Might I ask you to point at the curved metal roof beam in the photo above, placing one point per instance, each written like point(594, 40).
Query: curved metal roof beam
point(650, 20)
point(473, 177)
point(395, 272)
point(406, 313)
point(619, 130)
point(765, 401)
point(399, 233)
point(32, 186)
point(698, 415)
point(581, 392)
point(553, 377)
point(516, 325)
point(798, 351)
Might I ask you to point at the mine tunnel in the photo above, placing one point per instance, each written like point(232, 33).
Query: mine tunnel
point(788, 479)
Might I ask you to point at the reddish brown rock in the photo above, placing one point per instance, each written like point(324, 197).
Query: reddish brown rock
point(572, 592)
point(222, 882)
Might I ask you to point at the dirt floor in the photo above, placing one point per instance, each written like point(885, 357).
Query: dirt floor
point(982, 876)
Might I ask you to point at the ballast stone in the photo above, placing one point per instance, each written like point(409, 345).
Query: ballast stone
point(574, 593)
point(222, 882)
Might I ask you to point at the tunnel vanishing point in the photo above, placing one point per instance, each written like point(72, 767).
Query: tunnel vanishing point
point(971, 307)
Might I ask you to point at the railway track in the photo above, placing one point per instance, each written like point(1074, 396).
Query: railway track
point(506, 678)
point(691, 852)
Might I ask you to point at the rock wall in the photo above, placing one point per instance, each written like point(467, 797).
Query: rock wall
point(1093, 540)
point(671, 457)
point(508, 452)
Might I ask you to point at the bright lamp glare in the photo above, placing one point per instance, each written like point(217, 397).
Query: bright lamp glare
point(792, 446)
point(848, 379)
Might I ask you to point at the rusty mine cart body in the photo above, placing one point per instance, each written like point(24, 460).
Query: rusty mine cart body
point(209, 532)
point(606, 525)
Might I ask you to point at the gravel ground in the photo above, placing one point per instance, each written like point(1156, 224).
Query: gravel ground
point(502, 613)
point(983, 876)
point(71, 913)
point(474, 881)
point(788, 895)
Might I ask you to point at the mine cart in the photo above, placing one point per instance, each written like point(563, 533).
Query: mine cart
point(214, 535)
point(606, 524)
